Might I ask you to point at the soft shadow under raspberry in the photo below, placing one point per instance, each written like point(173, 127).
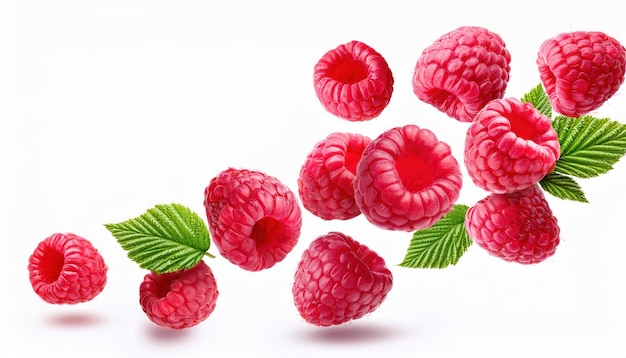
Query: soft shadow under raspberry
point(351, 333)
point(163, 334)
point(76, 319)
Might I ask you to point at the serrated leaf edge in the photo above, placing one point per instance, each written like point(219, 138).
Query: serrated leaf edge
point(538, 97)
point(553, 184)
point(424, 240)
point(149, 242)
point(578, 135)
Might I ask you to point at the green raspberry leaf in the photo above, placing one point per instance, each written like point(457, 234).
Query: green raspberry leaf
point(589, 145)
point(539, 99)
point(165, 238)
point(440, 245)
point(563, 187)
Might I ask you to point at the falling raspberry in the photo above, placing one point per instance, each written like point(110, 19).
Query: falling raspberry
point(67, 269)
point(510, 146)
point(353, 82)
point(325, 184)
point(462, 71)
point(338, 280)
point(581, 70)
point(406, 179)
point(179, 299)
point(254, 219)
point(517, 227)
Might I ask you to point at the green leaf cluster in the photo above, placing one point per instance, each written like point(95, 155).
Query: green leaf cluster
point(590, 146)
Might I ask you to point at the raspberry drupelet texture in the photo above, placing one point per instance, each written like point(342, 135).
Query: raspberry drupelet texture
point(254, 219)
point(353, 82)
point(325, 184)
point(581, 70)
point(338, 280)
point(516, 227)
point(179, 299)
point(67, 269)
point(406, 179)
point(510, 146)
point(462, 71)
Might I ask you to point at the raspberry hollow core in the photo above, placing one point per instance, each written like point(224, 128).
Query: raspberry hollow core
point(254, 219)
point(407, 179)
point(348, 70)
point(353, 81)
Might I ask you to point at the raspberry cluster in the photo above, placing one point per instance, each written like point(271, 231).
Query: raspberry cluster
point(407, 180)
point(510, 146)
point(404, 179)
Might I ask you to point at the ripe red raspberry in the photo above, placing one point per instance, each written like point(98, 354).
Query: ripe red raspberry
point(462, 71)
point(517, 227)
point(179, 299)
point(338, 280)
point(353, 81)
point(67, 269)
point(510, 146)
point(581, 70)
point(326, 179)
point(254, 219)
point(406, 179)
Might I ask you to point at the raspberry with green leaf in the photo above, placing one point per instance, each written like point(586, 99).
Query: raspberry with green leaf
point(170, 240)
point(510, 146)
point(179, 299)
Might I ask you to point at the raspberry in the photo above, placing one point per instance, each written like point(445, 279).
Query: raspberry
point(510, 146)
point(339, 280)
point(462, 71)
point(67, 269)
point(254, 219)
point(406, 179)
point(179, 299)
point(353, 82)
point(581, 70)
point(326, 178)
point(516, 227)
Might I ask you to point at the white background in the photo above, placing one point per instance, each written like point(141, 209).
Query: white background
point(109, 108)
